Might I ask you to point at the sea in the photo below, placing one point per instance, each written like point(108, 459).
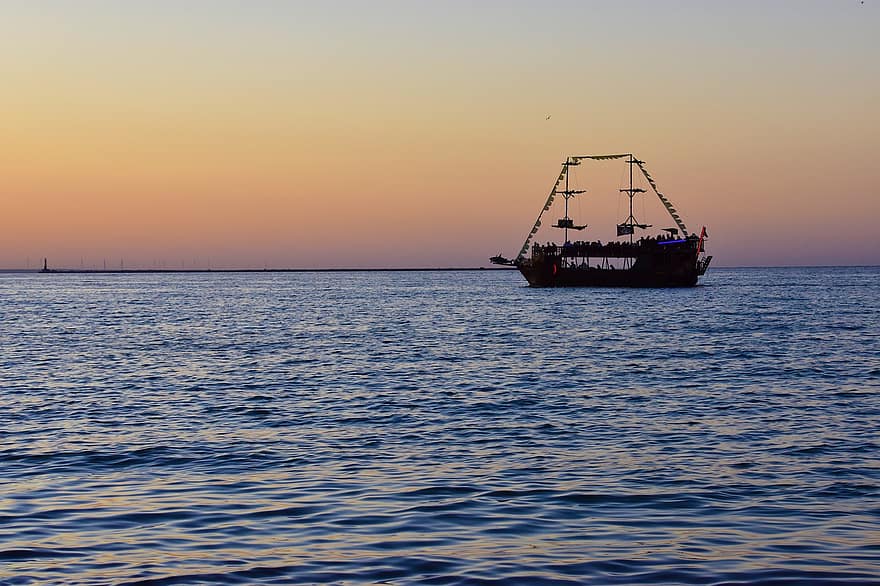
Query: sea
point(439, 428)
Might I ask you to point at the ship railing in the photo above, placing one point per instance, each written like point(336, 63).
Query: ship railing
point(611, 249)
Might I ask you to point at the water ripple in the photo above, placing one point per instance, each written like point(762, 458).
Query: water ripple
point(439, 428)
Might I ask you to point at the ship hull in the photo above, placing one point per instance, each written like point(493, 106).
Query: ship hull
point(649, 270)
point(542, 276)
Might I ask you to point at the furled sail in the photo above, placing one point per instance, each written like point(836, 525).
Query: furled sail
point(599, 157)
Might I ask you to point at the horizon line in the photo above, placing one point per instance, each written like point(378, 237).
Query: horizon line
point(61, 271)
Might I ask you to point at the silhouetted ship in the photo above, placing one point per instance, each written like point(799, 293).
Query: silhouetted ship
point(674, 258)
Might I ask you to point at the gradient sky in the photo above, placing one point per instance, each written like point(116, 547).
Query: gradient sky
point(369, 134)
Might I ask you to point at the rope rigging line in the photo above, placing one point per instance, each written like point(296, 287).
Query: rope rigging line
point(546, 207)
point(666, 203)
point(562, 175)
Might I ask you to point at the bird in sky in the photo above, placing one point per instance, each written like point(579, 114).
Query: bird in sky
point(548, 117)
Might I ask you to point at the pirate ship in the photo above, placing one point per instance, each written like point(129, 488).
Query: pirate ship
point(672, 258)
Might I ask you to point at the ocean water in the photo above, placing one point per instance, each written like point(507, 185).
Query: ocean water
point(439, 428)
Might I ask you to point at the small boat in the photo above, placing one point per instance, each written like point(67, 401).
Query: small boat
point(673, 258)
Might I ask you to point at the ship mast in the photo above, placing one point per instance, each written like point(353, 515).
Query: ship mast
point(630, 224)
point(567, 194)
point(631, 193)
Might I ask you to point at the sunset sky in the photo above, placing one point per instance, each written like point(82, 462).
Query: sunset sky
point(415, 134)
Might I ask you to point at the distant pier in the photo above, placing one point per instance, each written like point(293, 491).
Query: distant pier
point(267, 270)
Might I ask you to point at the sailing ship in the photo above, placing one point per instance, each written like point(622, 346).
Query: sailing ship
point(673, 258)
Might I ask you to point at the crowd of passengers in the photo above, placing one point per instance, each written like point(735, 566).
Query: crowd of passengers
point(597, 248)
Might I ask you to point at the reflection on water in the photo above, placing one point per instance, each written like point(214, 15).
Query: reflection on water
point(439, 428)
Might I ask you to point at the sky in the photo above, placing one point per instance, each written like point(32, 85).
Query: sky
point(230, 134)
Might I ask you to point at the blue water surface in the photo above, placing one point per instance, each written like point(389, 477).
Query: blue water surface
point(439, 428)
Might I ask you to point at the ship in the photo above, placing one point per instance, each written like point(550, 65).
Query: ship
point(674, 257)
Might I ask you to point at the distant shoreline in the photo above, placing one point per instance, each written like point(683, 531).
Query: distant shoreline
point(324, 270)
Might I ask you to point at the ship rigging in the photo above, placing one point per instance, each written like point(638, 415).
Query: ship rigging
point(674, 259)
